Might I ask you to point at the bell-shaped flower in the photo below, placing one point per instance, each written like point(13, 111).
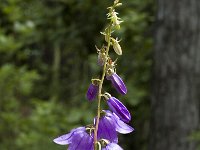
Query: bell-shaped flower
point(109, 125)
point(120, 126)
point(77, 139)
point(117, 82)
point(119, 109)
point(106, 129)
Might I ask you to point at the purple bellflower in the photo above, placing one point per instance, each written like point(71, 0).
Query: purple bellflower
point(118, 83)
point(109, 125)
point(78, 139)
point(120, 126)
point(93, 90)
point(119, 109)
point(106, 129)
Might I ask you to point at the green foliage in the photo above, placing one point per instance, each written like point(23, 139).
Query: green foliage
point(47, 55)
point(15, 84)
point(195, 136)
point(38, 130)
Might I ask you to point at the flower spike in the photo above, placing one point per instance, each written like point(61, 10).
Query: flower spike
point(103, 133)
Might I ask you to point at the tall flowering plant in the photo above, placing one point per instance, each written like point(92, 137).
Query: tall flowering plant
point(102, 134)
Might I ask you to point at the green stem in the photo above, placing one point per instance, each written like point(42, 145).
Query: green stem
point(100, 89)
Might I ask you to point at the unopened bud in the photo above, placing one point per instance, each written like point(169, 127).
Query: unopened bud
point(101, 59)
point(114, 17)
point(118, 4)
point(117, 48)
point(101, 56)
point(116, 20)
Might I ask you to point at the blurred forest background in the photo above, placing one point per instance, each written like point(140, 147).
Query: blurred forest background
point(48, 57)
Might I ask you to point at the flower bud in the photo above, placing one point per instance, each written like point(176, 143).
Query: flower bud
point(117, 48)
point(119, 109)
point(118, 83)
point(115, 20)
point(101, 59)
point(93, 90)
point(101, 56)
point(118, 4)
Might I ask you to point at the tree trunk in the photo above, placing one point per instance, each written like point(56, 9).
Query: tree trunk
point(175, 109)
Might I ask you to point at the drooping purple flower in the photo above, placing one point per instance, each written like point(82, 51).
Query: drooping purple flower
point(109, 125)
point(92, 92)
point(106, 129)
point(118, 83)
point(112, 146)
point(120, 126)
point(78, 139)
point(119, 109)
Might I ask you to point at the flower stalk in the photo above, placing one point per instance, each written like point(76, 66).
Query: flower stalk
point(100, 87)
